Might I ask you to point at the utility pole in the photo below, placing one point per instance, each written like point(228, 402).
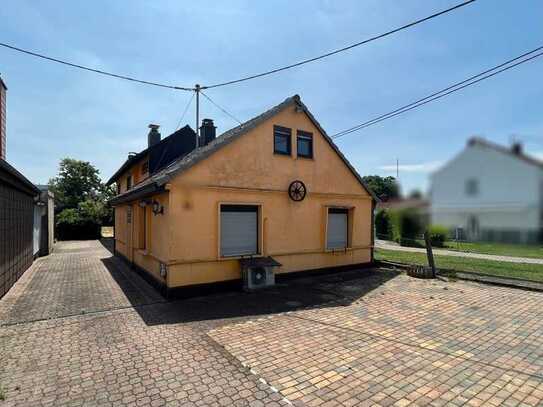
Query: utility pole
point(197, 90)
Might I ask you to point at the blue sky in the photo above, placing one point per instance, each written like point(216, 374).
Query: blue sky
point(56, 111)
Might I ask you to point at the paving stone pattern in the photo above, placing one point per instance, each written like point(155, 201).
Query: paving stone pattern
point(409, 342)
point(81, 329)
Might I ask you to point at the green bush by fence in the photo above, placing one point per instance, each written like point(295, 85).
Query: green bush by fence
point(438, 235)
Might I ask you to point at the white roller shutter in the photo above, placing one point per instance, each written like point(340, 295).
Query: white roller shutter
point(239, 230)
point(337, 228)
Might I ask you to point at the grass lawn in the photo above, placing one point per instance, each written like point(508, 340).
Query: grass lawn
point(501, 249)
point(533, 272)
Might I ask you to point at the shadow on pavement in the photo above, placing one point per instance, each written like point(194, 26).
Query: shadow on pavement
point(323, 291)
point(327, 290)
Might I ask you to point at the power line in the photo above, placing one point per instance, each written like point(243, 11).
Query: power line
point(444, 92)
point(337, 51)
point(220, 108)
point(184, 111)
point(303, 62)
point(98, 71)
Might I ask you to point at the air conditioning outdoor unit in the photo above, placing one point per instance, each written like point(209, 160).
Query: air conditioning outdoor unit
point(258, 272)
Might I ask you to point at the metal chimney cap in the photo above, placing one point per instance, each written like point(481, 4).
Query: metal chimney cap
point(154, 126)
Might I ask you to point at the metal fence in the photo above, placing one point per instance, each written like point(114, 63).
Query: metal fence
point(16, 235)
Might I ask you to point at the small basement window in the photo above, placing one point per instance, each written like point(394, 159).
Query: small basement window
point(337, 233)
point(305, 144)
point(239, 230)
point(281, 140)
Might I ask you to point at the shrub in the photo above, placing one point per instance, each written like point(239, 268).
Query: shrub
point(383, 226)
point(83, 222)
point(438, 235)
point(406, 227)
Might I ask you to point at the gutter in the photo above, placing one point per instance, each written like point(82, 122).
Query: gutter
point(16, 179)
point(137, 194)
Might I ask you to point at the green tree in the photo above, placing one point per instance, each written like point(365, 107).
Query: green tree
point(81, 200)
point(384, 187)
point(76, 182)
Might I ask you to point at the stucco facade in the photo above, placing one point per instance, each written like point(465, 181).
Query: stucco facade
point(185, 237)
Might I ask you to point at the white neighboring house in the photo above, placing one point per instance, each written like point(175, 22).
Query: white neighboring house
point(490, 192)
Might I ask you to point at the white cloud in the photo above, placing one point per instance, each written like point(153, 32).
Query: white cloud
point(422, 167)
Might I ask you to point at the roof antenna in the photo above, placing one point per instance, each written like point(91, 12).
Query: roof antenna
point(197, 90)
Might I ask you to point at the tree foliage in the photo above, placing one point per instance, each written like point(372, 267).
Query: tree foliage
point(81, 200)
point(384, 187)
point(76, 182)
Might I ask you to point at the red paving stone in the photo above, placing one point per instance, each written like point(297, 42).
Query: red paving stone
point(409, 342)
point(82, 329)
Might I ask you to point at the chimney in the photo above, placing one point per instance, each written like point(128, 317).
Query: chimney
point(207, 132)
point(154, 136)
point(3, 89)
point(516, 148)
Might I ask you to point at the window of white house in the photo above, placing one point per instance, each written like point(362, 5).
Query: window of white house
point(472, 187)
point(281, 140)
point(304, 144)
point(239, 230)
point(337, 232)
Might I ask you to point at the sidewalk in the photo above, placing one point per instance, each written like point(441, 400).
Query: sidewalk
point(384, 244)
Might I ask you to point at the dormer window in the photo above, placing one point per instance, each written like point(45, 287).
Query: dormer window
point(129, 183)
point(304, 144)
point(145, 167)
point(281, 140)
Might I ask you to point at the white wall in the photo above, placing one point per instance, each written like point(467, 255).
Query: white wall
point(509, 194)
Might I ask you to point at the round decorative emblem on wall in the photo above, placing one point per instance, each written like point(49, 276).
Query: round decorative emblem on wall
point(297, 191)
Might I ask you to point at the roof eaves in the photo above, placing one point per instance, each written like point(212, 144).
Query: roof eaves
point(337, 150)
point(199, 154)
point(486, 143)
point(137, 193)
point(29, 186)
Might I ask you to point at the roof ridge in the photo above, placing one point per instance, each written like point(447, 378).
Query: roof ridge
point(504, 149)
point(201, 153)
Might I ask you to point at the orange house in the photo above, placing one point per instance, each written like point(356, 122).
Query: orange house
point(274, 195)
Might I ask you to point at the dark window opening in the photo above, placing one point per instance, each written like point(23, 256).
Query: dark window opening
point(305, 144)
point(129, 182)
point(281, 140)
point(145, 167)
point(472, 187)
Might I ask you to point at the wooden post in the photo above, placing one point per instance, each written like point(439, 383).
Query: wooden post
point(429, 253)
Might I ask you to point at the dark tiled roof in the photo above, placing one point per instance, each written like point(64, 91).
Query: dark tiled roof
point(505, 150)
point(184, 163)
point(161, 154)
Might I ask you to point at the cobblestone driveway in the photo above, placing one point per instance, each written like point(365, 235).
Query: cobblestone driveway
point(81, 329)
